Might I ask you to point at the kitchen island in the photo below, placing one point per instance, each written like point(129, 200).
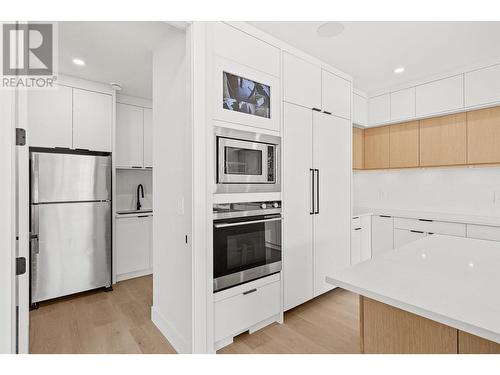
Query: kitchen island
point(440, 294)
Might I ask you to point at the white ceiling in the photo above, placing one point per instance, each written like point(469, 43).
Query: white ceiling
point(370, 51)
point(113, 52)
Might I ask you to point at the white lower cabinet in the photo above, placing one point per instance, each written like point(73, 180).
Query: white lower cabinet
point(361, 239)
point(134, 240)
point(431, 226)
point(404, 236)
point(382, 234)
point(247, 307)
point(483, 232)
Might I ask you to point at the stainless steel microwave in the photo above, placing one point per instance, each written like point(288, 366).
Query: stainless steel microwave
point(246, 162)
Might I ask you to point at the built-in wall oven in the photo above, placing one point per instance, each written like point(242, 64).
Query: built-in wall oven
point(246, 162)
point(247, 242)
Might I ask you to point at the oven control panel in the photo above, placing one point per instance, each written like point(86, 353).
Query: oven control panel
point(226, 210)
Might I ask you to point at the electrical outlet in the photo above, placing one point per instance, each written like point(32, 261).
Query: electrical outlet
point(381, 195)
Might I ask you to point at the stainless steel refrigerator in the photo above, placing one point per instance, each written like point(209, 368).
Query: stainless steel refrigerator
point(70, 223)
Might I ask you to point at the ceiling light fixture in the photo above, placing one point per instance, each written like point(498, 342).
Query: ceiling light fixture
point(78, 62)
point(116, 86)
point(399, 70)
point(330, 29)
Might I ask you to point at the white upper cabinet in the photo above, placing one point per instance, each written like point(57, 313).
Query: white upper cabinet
point(245, 49)
point(403, 104)
point(148, 137)
point(359, 110)
point(440, 96)
point(336, 95)
point(129, 136)
point(50, 117)
point(301, 82)
point(482, 86)
point(92, 120)
point(379, 109)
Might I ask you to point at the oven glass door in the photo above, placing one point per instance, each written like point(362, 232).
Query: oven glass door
point(246, 243)
point(245, 162)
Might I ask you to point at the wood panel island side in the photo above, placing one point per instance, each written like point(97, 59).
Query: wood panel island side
point(438, 295)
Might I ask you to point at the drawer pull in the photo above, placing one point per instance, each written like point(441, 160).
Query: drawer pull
point(427, 220)
point(384, 216)
point(249, 291)
point(357, 228)
point(416, 231)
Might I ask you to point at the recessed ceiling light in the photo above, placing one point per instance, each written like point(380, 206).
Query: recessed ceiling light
point(330, 29)
point(399, 70)
point(78, 62)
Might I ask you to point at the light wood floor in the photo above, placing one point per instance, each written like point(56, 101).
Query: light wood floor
point(119, 322)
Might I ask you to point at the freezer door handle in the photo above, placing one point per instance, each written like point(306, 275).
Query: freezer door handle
point(311, 172)
point(34, 244)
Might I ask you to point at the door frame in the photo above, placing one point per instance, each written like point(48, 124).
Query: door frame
point(7, 223)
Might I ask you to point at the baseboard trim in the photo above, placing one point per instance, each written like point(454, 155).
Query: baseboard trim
point(180, 345)
point(133, 275)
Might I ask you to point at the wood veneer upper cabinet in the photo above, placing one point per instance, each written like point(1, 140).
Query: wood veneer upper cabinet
point(376, 148)
point(483, 136)
point(470, 344)
point(443, 140)
point(403, 142)
point(358, 144)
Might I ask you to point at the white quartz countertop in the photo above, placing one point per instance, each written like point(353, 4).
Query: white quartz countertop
point(451, 280)
point(438, 216)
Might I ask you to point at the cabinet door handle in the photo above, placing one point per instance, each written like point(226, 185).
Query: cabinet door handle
point(317, 192)
point(316, 109)
point(426, 220)
point(416, 231)
point(387, 216)
point(249, 291)
point(311, 172)
point(326, 112)
point(357, 228)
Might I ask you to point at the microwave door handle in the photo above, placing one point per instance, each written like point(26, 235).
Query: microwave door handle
point(225, 225)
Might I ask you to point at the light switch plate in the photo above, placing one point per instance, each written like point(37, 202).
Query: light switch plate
point(180, 206)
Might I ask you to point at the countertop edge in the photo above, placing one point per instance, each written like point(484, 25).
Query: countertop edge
point(463, 326)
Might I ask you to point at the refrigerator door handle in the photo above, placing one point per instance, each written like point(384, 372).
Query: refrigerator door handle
point(35, 172)
point(34, 230)
point(317, 192)
point(311, 211)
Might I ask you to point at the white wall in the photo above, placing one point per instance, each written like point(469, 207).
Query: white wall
point(453, 190)
point(127, 181)
point(172, 181)
point(7, 223)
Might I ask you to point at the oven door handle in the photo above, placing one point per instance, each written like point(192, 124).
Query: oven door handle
point(224, 225)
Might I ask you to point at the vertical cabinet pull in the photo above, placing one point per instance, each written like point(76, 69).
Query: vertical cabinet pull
point(317, 192)
point(311, 172)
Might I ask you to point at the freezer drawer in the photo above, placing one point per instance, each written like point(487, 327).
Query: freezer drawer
point(69, 177)
point(73, 250)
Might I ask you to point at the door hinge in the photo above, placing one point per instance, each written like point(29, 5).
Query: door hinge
point(20, 137)
point(20, 266)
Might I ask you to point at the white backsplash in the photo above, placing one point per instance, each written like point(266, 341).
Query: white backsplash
point(474, 191)
point(127, 181)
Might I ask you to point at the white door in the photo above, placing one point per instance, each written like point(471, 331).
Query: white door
point(50, 117)
point(7, 224)
point(92, 120)
point(129, 136)
point(297, 223)
point(382, 234)
point(148, 137)
point(332, 223)
point(336, 95)
point(404, 236)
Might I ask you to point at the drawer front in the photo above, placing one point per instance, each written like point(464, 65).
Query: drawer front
point(438, 227)
point(483, 232)
point(236, 314)
point(356, 223)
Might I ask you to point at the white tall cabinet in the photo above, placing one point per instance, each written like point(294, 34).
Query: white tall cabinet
point(316, 235)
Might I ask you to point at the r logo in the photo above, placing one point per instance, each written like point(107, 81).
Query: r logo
point(28, 49)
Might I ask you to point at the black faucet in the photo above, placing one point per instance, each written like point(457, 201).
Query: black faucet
point(141, 188)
